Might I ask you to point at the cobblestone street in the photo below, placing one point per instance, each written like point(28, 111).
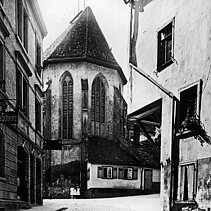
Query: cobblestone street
point(135, 203)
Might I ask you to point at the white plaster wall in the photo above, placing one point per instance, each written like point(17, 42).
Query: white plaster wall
point(78, 71)
point(95, 182)
point(192, 53)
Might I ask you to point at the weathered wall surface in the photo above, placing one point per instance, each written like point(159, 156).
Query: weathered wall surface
point(24, 133)
point(192, 52)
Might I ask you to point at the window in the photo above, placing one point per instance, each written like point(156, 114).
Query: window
point(2, 154)
point(2, 81)
point(88, 174)
point(38, 59)
point(165, 46)
point(22, 24)
point(67, 107)
point(190, 99)
point(187, 182)
point(147, 179)
point(128, 173)
point(98, 105)
point(106, 172)
point(22, 93)
point(38, 115)
point(84, 84)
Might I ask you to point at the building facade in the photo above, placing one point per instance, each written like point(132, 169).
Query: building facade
point(84, 85)
point(170, 50)
point(21, 34)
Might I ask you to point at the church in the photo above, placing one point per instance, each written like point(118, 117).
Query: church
point(85, 116)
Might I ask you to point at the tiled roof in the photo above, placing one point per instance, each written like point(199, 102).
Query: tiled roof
point(147, 154)
point(106, 151)
point(84, 41)
point(121, 152)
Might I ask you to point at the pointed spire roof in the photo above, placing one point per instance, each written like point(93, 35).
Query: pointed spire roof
point(84, 41)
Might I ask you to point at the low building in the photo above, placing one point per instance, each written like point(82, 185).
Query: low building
point(120, 168)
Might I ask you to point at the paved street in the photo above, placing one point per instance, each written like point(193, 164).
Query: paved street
point(134, 203)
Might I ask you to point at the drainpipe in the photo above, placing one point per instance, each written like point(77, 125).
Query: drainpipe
point(174, 100)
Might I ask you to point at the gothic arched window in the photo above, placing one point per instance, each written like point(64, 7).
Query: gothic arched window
point(98, 104)
point(67, 107)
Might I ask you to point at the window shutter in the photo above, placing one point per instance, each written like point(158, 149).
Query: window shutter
point(121, 175)
point(135, 173)
point(100, 172)
point(114, 173)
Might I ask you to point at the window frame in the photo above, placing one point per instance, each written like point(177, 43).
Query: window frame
point(199, 96)
point(2, 65)
point(38, 58)
point(22, 93)
point(162, 66)
point(180, 185)
point(22, 24)
point(38, 115)
point(2, 155)
point(69, 107)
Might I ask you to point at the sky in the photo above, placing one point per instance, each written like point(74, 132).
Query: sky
point(112, 17)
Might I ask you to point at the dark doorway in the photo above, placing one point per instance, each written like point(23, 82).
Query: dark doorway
point(147, 179)
point(38, 182)
point(32, 177)
point(22, 174)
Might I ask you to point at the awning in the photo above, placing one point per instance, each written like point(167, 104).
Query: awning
point(149, 114)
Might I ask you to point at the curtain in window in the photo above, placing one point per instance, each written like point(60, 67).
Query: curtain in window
point(67, 107)
point(187, 183)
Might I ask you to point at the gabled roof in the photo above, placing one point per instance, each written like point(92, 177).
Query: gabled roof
point(121, 152)
point(84, 41)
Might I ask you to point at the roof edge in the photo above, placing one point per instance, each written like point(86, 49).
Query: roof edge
point(87, 59)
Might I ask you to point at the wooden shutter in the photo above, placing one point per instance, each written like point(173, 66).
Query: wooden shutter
point(100, 172)
point(121, 173)
point(135, 173)
point(114, 173)
point(64, 114)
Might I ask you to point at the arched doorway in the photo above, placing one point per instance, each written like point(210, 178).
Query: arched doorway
point(32, 179)
point(38, 181)
point(22, 174)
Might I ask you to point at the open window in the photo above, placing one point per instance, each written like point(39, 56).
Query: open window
point(190, 103)
point(165, 46)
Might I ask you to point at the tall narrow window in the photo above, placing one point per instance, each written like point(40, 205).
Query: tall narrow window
point(84, 84)
point(38, 58)
point(22, 93)
point(2, 82)
point(2, 153)
point(22, 23)
point(165, 46)
point(187, 182)
point(38, 115)
point(98, 104)
point(67, 108)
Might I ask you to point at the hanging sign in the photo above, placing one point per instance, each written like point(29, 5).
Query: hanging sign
point(7, 113)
